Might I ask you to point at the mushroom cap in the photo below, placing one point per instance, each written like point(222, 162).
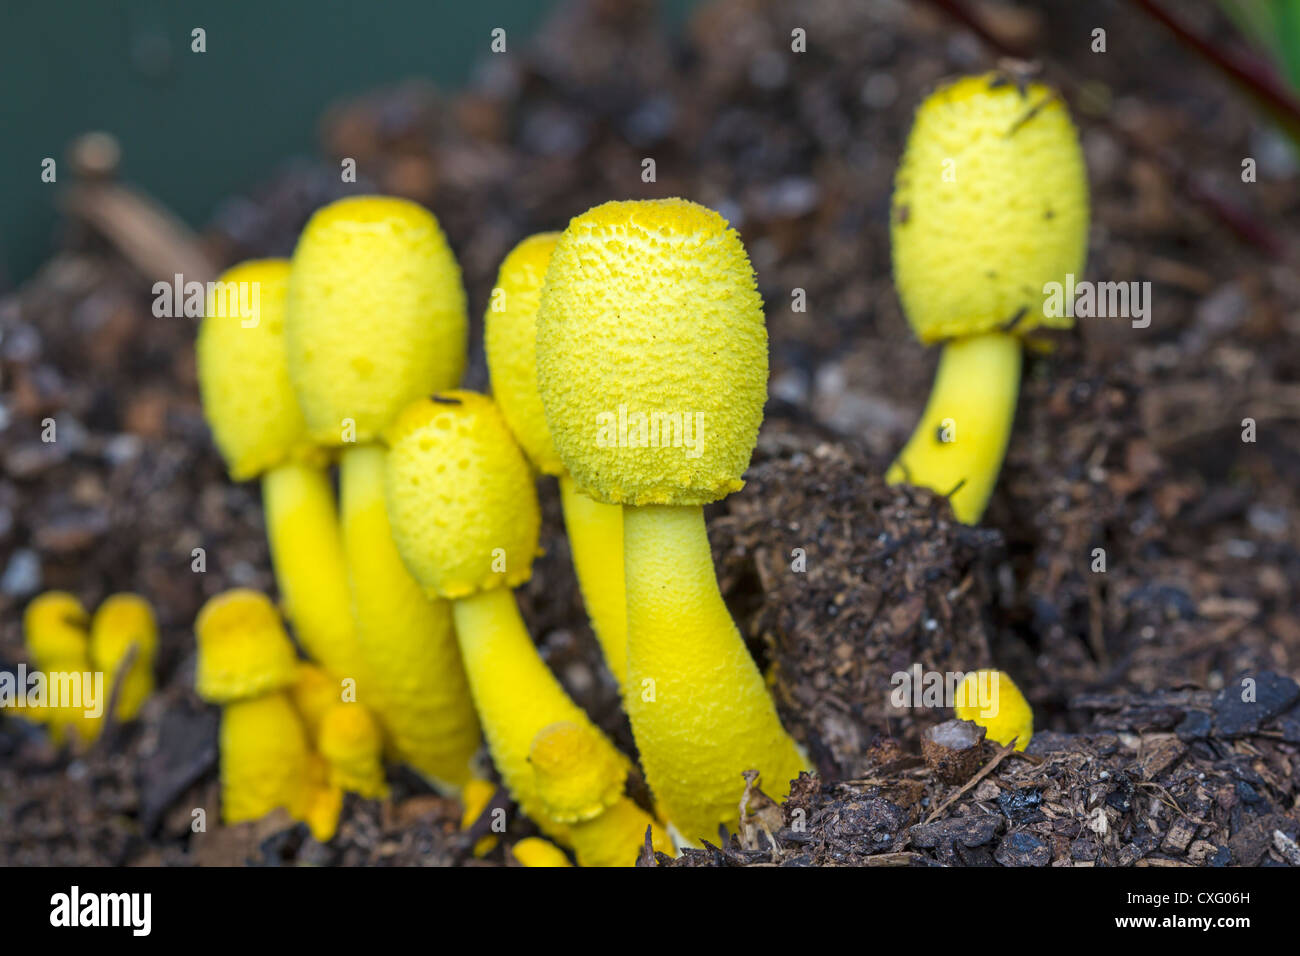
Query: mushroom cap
point(990, 204)
point(243, 372)
point(460, 496)
point(510, 340)
point(55, 631)
point(121, 621)
point(652, 353)
point(579, 773)
point(243, 648)
point(376, 315)
point(991, 699)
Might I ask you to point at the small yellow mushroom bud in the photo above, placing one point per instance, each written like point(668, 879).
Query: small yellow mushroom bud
point(534, 851)
point(55, 633)
point(245, 663)
point(124, 622)
point(243, 649)
point(580, 780)
point(351, 743)
point(991, 699)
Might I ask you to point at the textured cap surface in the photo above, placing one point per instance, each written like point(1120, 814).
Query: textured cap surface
point(990, 204)
point(652, 353)
point(243, 371)
point(376, 314)
point(579, 773)
point(510, 340)
point(460, 496)
point(243, 648)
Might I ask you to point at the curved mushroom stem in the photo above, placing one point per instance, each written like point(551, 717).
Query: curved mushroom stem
point(302, 527)
point(409, 651)
point(515, 693)
point(595, 533)
point(699, 708)
point(957, 448)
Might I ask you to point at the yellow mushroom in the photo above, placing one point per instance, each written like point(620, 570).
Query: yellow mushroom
point(259, 429)
point(314, 692)
point(121, 623)
point(990, 207)
point(351, 744)
point(245, 664)
point(991, 699)
point(652, 368)
point(580, 780)
point(595, 529)
point(55, 626)
point(534, 851)
point(466, 521)
point(376, 317)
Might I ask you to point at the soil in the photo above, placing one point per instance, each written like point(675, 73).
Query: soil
point(1127, 440)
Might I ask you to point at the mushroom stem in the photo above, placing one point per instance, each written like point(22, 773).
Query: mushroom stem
point(595, 533)
point(957, 448)
point(410, 654)
point(264, 758)
point(699, 708)
point(302, 527)
point(514, 691)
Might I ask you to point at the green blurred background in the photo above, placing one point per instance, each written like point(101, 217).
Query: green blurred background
point(196, 127)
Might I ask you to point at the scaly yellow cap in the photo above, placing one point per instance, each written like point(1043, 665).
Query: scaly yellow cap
point(376, 315)
point(243, 648)
point(652, 353)
point(244, 371)
point(124, 621)
point(991, 699)
point(460, 496)
point(510, 340)
point(55, 631)
point(990, 204)
point(579, 773)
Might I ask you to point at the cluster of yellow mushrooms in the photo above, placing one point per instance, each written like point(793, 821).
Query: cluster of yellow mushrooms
point(400, 593)
point(69, 646)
